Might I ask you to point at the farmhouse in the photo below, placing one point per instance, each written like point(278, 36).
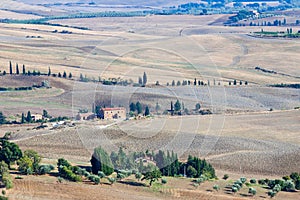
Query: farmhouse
point(85, 116)
point(36, 117)
point(112, 113)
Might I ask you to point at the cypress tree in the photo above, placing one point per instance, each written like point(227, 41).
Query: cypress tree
point(147, 112)
point(65, 74)
point(144, 78)
point(101, 162)
point(132, 107)
point(23, 120)
point(28, 118)
point(10, 68)
point(24, 70)
point(17, 69)
point(70, 75)
point(140, 81)
point(59, 74)
point(177, 105)
point(138, 107)
point(49, 71)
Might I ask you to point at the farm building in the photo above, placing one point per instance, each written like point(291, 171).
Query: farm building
point(36, 117)
point(112, 113)
point(85, 116)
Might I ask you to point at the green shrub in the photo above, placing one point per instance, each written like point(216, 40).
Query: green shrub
point(18, 177)
point(237, 186)
point(111, 180)
point(216, 187)
point(289, 185)
point(226, 176)
point(7, 180)
point(3, 198)
point(261, 182)
point(234, 189)
point(297, 184)
point(238, 182)
point(272, 193)
point(86, 174)
point(277, 188)
point(138, 176)
point(252, 191)
point(60, 179)
point(94, 178)
point(252, 180)
point(101, 174)
point(121, 176)
point(3, 192)
point(45, 169)
point(243, 180)
point(164, 181)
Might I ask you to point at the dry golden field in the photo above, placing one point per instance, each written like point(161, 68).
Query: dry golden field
point(242, 138)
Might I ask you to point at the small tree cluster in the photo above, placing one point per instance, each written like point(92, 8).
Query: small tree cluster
point(67, 171)
point(137, 108)
point(29, 163)
point(6, 178)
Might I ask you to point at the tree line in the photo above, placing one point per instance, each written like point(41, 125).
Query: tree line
point(165, 162)
point(25, 72)
point(27, 118)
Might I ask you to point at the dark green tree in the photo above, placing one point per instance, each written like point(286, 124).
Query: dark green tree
point(140, 81)
point(139, 107)
point(177, 106)
point(152, 176)
point(2, 118)
point(173, 83)
point(65, 74)
point(49, 71)
point(101, 162)
point(45, 114)
point(35, 158)
point(59, 75)
point(197, 106)
point(23, 119)
point(24, 70)
point(147, 112)
point(10, 68)
point(191, 171)
point(70, 75)
point(29, 118)
point(81, 78)
point(144, 78)
point(157, 107)
point(10, 152)
point(17, 69)
point(4, 73)
point(132, 107)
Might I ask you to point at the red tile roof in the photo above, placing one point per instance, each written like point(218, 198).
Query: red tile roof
point(111, 109)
